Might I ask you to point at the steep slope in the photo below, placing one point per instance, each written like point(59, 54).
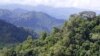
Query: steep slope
point(10, 34)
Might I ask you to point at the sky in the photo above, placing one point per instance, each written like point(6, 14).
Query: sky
point(83, 4)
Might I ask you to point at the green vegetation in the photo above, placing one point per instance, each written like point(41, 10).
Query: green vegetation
point(79, 36)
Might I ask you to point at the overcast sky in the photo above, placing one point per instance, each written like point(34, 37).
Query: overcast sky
point(84, 4)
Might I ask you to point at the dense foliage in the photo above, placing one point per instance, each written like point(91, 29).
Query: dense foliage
point(79, 36)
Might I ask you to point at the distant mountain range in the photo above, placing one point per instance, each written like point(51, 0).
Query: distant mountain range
point(59, 13)
point(37, 21)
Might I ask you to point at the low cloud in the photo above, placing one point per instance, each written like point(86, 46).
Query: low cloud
point(84, 4)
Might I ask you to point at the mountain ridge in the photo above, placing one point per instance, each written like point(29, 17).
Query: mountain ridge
point(62, 13)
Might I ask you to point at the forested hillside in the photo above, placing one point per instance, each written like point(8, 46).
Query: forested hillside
point(10, 34)
point(79, 36)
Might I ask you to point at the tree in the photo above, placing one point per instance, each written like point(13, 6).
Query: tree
point(43, 35)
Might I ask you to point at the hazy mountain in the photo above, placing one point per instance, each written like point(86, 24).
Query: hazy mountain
point(38, 21)
point(60, 13)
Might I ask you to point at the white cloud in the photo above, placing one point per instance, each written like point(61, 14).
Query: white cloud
point(90, 4)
